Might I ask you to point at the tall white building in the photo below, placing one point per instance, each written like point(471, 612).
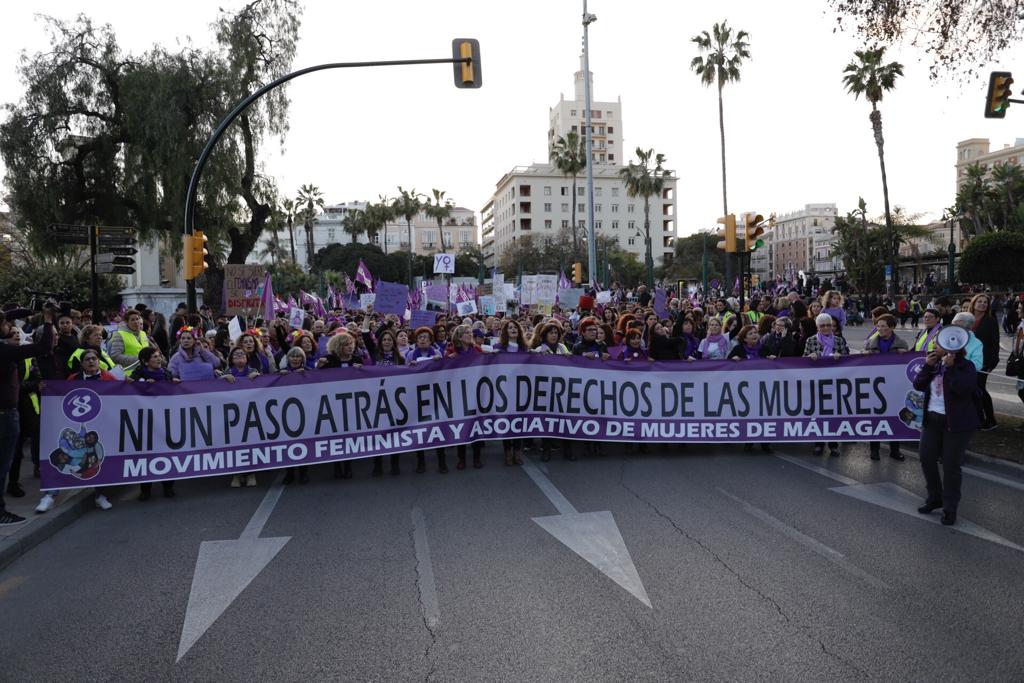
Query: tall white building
point(537, 200)
point(605, 120)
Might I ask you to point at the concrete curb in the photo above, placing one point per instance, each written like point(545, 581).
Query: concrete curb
point(1008, 467)
point(45, 526)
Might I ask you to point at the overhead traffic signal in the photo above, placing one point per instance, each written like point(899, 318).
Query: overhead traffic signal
point(467, 74)
point(728, 234)
point(577, 273)
point(194, 262)
point(752, 231)
point(998, 100)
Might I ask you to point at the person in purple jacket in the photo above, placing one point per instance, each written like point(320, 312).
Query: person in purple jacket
point(951, 416)
point(190, 352)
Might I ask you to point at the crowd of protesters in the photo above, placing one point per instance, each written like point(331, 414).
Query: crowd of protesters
point(141, 345)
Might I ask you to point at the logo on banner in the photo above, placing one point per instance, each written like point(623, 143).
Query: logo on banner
point(81, 405)
point(78, 453)
point(914, 367)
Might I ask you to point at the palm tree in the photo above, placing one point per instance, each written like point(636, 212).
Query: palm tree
point(644, 181)
point(377, 217)
point(720, 66)
point(407, 204)
point(272, 248)
point(354, 223)
point(867, 76)
point(1008, 184)
point(310, 199)
point(974, 198)
point(288, 214)
point(439, 208)
point(569, 155)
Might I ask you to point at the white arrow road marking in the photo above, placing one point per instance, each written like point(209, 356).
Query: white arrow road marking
point(225, 568)
point(893, 497)
point(594, 536)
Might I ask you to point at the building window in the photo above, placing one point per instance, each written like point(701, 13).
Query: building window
point(547, 190)
point(525, 224)
point(524, 190)
point(601, 158)
point(572, 112)
point(631, 241)
point(615, 225)
point(447, 237)
point(615, 208)
point(565, 206)
point(597, 225)
point(631, 208)
point(574, 129)
point(611, 129)
point(581, 207)
point(595, 114)
point(524, 207)
point(631, 225)
point(615, 192)
point(547, 223)
point(547, 206)
point(610, 114)
point(611, 157)
point(330, 234)
point(600, 130)
point(565, 223)
point(597, 191)
point(597, 207)
point(581, 223)
point(465, 236)
point(579, 191)
point(565, 190)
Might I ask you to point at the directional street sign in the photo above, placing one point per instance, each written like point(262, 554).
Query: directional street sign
point(114, 259)
point(120, 251)
point(109, 241)
point(111, 268)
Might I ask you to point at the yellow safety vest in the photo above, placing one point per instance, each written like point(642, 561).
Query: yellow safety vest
point(132, 346)
point(33, 396)
point(754, 316)
point(919, 343)
point(106, 363)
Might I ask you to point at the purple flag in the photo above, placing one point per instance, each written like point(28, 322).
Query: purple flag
point(267, 302)
point(563, 281)
point(330, 296)
point(364, 276)
point(349, 287)
point(292, 303)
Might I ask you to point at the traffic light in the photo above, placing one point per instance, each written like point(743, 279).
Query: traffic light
point(467, 75)
point(998, 100)
point(728, 234)
point(752, 231)
point(195, 255)
point(577, 272)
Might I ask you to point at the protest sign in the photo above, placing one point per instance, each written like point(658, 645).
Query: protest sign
point(466, 307)
point(528, 290)
point(391, 298)
point(570, 298)
point(444, 264)
point(124, 432)
point(661, 303)
point(604, 297)
point(366, 300)
point(547, 290)
point(487, 305)
point(235, 329)
point(296, 316)
point(242, 284)
point(422, 319)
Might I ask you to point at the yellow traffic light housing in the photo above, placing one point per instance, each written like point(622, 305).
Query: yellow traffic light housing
point(728, 234)
point(752, 231)
point(577, 273)
point(467, 73)
point(998, 99)
point(195, 255)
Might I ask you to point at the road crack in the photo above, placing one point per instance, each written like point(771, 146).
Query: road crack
point(736, 575)
point(424, 588)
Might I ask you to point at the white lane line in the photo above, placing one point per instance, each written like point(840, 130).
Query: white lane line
point(803, 539)
point(262, 514)
point(835, 476)
point(425, 571)
point(560, 502)
point(982, 474)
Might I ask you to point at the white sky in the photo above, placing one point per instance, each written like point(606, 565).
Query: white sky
point(793, 135)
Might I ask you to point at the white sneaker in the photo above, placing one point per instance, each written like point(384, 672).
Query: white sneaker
point(46, 504)
point(250, 480)
point(102, 503)
point(236, 481)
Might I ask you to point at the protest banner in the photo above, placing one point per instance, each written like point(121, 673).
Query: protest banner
point(129, 432)
point(528, 290)
point(242, 283)
point(391, 297)
point(466, 307)
point(547, 290)
point(366, 300)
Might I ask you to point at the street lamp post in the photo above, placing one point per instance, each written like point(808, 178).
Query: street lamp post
point(588, 19)
point(951, 262)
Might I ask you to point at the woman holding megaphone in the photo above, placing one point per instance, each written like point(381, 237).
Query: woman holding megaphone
point(952, 415)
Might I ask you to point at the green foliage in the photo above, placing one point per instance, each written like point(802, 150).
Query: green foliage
point(569, 155)
point(288, 278)
point(468, 262)
point(991, 202)
point(724, 55)
point(18, 280)
point(548, 254)
point(994, 259)
point(688, 259)
point(344, 258)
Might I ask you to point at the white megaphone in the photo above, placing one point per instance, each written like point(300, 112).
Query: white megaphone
point(953, 338)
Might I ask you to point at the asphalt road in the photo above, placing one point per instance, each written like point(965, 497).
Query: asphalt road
point(756, 568)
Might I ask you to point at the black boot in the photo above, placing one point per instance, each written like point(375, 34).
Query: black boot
point(875, 450)
point(337, 471)
point(477, 447)
point(145, 490)
point(346, 469)
point(567, 451)
point(894, 452)
point(460, 456)
point(169, 489)
point(421, 462)
point(378, 467)
point(442, 464)
point(394, 464)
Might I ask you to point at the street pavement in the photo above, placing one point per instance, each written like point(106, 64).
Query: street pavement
point(758, 566)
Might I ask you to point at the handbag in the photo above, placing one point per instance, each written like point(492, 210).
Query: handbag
point(1014, 364)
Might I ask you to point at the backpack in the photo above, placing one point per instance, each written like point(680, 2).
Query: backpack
point(902, 306)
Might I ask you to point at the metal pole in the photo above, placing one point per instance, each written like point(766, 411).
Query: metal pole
point(94, 279)
point(951, 263)
point(704, 266)
point(197, 172)
point(591, 237)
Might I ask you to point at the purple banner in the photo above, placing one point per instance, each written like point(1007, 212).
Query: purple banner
point(391, 298)
point(108, 433)
point(422, 319)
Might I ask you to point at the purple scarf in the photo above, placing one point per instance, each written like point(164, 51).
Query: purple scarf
point(719, 340)
point(828, 343)
point(752, 351)
point(885, 344)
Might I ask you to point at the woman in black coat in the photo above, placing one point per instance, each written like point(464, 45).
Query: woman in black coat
point(986, 329)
